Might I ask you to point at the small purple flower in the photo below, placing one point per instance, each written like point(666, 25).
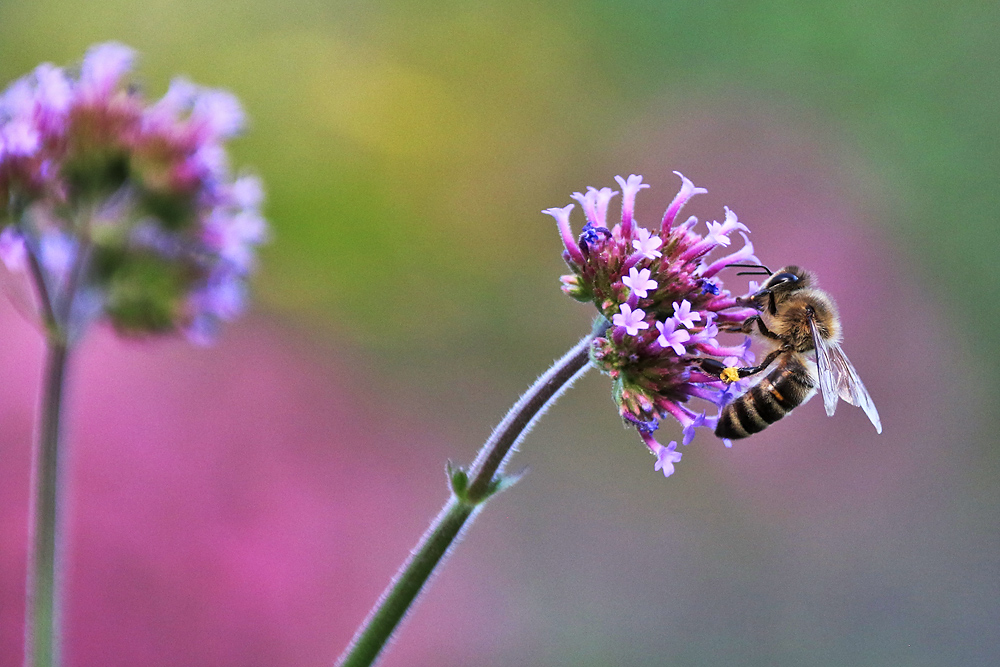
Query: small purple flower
point(631, 320)
point(666, 457)
point(595, 205)
point(54, 94)
point(688, 430)
point(20, 138)
point(646, 244)
point(630, 188)
point(235, 236)
point(561, 215)
point(219, 112)
point(247, 192)
point(707, 334)
point(741, 351)
point(684, 315)
point(222, 297)
point(716, 234)
point(638, 281)
point(18, 101)
point(732, 224)
point(104, 66)
point(687, 191)
point(671, 336)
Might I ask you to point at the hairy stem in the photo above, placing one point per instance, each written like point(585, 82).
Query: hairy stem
point(397, 599)
point(457, 514)
point(42, 611)
point(520, 418)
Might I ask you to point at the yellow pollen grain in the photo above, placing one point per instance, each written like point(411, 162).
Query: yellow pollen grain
point(729, 375)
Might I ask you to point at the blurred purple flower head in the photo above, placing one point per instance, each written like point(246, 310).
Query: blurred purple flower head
point(666, 303)
point(126, 210)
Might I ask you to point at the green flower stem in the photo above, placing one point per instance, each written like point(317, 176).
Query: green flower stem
point(42, 613)
point(383, 619)
point(466, 500)
point(45, 568)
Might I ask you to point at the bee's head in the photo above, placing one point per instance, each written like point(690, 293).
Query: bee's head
point(779, 286)
point(784, 280)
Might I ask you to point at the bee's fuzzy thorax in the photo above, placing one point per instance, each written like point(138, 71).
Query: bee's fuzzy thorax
point(794, 313)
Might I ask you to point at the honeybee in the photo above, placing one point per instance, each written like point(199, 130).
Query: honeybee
point(797, 319)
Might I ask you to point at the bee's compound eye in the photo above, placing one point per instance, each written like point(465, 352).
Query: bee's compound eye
point(782, 278)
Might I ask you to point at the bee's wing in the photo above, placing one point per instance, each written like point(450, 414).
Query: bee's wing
point(824, 370)
point(839, 379)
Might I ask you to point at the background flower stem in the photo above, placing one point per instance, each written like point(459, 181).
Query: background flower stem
point(466, 500)
point(43, 607)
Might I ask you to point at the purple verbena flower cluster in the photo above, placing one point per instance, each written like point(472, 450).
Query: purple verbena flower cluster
point(666, 305)
point(124, 209)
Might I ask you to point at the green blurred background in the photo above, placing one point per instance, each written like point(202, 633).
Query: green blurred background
point(407, 149)
point(418, 138)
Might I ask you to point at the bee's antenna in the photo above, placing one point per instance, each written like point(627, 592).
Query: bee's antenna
point(759, 269)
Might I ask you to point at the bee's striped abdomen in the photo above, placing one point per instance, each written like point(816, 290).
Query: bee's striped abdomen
point(766, 402)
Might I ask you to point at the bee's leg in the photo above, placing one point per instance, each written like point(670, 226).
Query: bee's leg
point(772, 305)
point(751, 370)
point(723, 372)
point(764, 331)
point(746, 326)
point(712, 366)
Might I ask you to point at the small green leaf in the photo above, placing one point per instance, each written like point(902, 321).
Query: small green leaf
point(459, 480)
point(504, 482)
